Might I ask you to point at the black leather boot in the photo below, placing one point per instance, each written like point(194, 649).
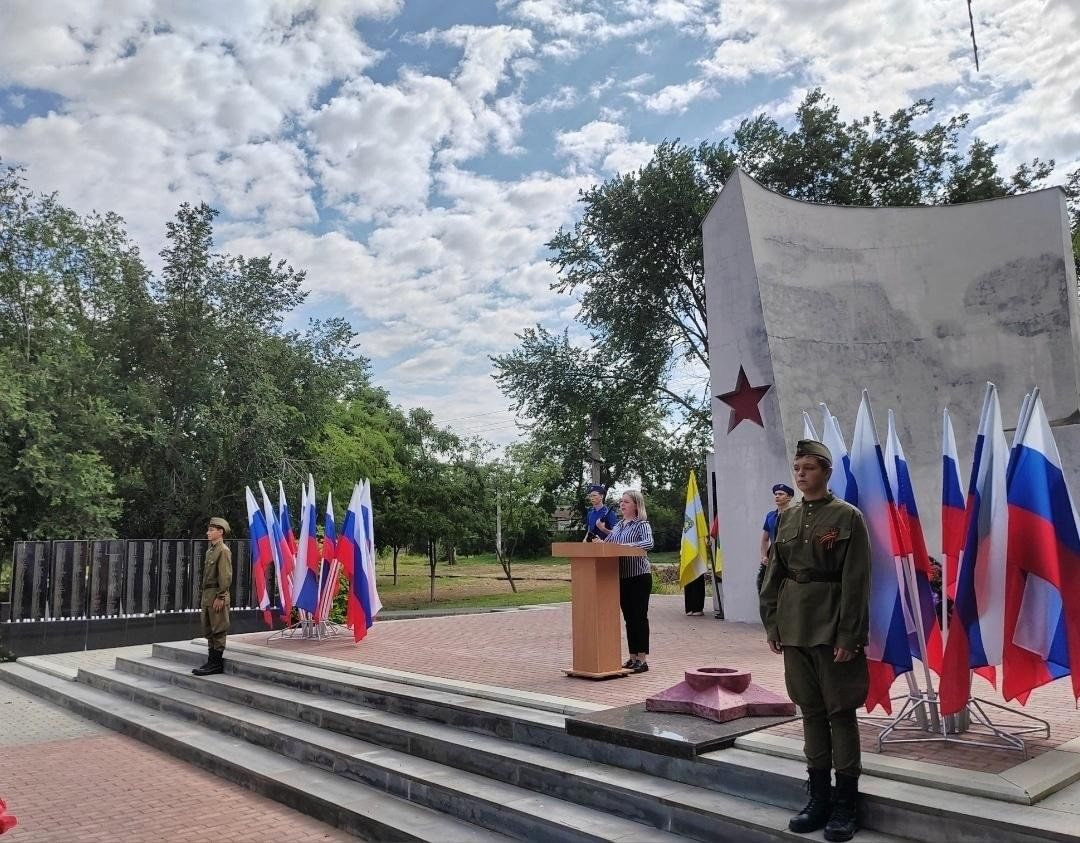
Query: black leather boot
point(214, 666)
point(205, 666)
point(842, 823)
point(816, 812)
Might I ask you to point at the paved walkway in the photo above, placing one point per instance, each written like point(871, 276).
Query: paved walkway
point(527, 650)
point(69, 780)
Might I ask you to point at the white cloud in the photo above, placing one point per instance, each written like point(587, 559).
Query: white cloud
point(377, 144)
point(1025, 98)
point(469, 275)
point(163, 103)
point(674, 99)
point(603, 144)
point(591, 142)
point(628, 157)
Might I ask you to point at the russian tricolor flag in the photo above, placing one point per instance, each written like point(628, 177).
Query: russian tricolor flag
point(888, 653)
point(368, 513)
point(952, 509)
point(913, 545)
point(842, 482)
point(262, 557)
point(808, 430)
point(976, 631)
point(285, 520)
point(351, 549)
point(282, 555)
point(331, 567)
point(1042, 577)
point(305, 576)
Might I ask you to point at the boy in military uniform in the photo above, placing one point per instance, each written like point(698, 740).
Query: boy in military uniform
point(217, 577)
point(815, 608)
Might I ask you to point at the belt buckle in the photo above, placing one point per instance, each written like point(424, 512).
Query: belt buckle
point(802, 577)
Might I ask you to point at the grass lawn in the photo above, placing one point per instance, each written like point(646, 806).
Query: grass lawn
point(478, 581)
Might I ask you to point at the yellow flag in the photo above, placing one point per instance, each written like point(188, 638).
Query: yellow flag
point(694, 553)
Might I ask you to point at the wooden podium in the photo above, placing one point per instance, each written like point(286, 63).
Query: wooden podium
point(597, 620)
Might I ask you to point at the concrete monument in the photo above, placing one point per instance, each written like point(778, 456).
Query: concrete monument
point(809, 303)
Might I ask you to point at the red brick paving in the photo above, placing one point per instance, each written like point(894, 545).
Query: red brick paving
point(113, 788)
point(528, 649)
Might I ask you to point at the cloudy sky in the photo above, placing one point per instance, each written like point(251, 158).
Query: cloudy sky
point(415, 155)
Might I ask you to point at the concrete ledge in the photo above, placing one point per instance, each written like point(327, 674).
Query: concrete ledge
point(50, 667)
point(1024, 784)
point(526, 699)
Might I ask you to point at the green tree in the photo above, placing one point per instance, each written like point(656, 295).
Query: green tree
point(63, 286)
point(584, 409)
point(519, 505)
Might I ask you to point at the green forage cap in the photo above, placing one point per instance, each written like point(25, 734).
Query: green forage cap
point(220, 522)
point(812, 448)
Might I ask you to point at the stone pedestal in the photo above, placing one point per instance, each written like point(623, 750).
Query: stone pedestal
point(720, 694)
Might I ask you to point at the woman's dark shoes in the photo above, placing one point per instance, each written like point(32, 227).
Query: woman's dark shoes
point(629, 664)
point(639, 666)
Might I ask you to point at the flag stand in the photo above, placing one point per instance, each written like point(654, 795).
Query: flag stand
point(307, 628)
point(923, 707)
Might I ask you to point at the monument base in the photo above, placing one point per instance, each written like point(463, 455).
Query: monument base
point(675, 735)
point(720, 694)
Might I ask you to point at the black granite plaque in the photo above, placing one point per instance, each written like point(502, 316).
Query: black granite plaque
point(30, 580)
point(198, 556)
point(67, 584)
point(678, 735)
point(107, 561)
point(140, 578)
point(240, 593)
point(173, 557)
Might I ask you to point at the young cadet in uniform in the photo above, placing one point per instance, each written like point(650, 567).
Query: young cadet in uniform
point(815, 608)
point(216, 579)
point(782, 495)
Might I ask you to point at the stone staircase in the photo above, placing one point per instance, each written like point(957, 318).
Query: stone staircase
point(392, 761)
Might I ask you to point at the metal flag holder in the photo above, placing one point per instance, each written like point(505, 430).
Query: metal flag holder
point(919, 718)
point(971, 726)
point(307, 628)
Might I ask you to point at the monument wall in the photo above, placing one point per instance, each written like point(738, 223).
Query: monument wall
point(921, 306)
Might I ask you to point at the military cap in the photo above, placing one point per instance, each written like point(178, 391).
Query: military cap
point(813, 448)
point(216, 521)
point(785, 488)
point(596, 487)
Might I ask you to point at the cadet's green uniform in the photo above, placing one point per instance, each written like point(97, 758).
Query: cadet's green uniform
point(816, 597)
point(216, 579)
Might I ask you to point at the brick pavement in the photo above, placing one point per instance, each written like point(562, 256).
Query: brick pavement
point(528, 649)
point(69, 780)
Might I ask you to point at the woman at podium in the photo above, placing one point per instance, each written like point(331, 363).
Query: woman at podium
point(635, 577)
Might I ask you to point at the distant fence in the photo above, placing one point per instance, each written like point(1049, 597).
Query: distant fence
point(110, 578)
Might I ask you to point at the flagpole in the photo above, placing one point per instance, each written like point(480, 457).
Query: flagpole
point(915, 608)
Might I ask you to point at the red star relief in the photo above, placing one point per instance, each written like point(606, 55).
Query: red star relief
point(743, 400)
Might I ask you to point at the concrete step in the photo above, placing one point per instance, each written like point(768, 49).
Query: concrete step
point(519, 723)
point(488, 802)
point(367, 812)
point(905, 809)
point(684, 809)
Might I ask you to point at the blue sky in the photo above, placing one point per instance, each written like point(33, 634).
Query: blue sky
point(415, 155)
